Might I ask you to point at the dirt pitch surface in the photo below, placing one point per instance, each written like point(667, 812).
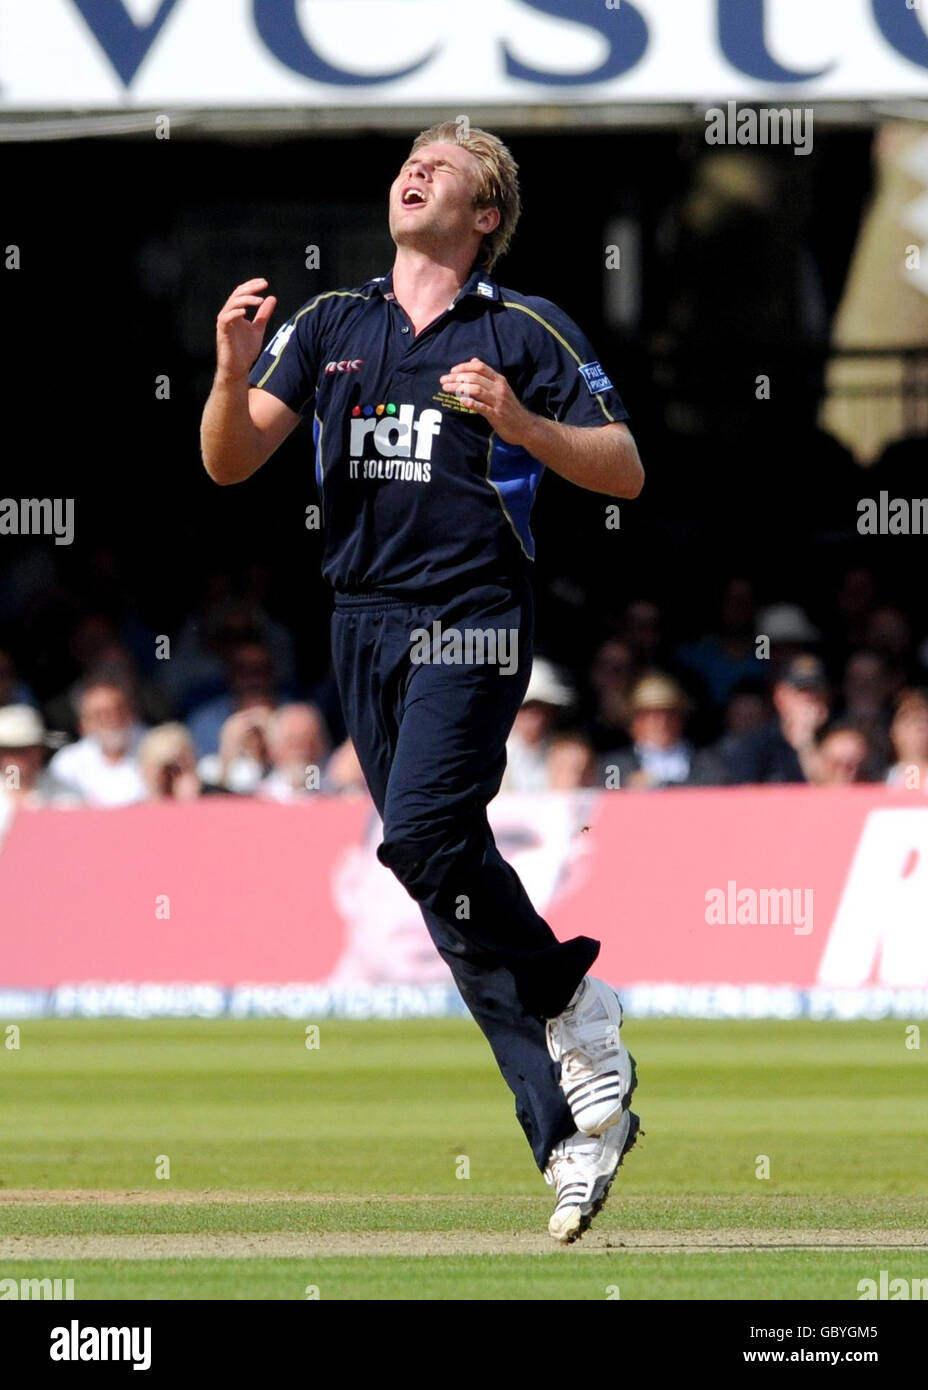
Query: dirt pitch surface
point(284, 1244)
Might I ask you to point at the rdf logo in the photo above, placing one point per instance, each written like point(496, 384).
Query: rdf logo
point(389, 430)
point(916, 1289)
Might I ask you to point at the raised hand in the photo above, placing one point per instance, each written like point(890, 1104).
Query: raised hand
point(239, 338)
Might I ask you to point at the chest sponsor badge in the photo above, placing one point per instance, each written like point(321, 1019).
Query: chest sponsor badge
point(595, 378)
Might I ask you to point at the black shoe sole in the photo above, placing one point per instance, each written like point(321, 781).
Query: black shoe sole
point(634, 1086)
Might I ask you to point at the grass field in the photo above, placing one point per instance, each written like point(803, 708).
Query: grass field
point(387, 1163)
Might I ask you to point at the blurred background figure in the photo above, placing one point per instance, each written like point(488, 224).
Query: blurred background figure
point(789, 631)
point(24, 782)
point(843, 752)
point(570, 762)
point(784, 749)
point(102, 766)
point(250, 682)
point(168, 765)
point(97, 652)
point(854, 601)
point(548, 695)
point(909, 738)
point(612, 676)
point(243, 759)
point(867, 693)
point(343, 774)
point(298, 747)
point(198, 668)
point(724, 658)
point(888, 633)
point(660, 756)
point(747, 710)
point(642, 631)
point(13, 691)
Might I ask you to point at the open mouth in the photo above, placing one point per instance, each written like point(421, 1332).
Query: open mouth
point(413, 198)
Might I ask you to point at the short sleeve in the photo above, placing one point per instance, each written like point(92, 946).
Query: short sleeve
point(288, 366)
point(567, 382)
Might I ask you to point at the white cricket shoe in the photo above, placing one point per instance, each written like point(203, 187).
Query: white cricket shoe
point(581, 1170)
point(597, 1073)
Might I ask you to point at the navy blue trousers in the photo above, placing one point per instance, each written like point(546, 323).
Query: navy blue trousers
point(431, 739)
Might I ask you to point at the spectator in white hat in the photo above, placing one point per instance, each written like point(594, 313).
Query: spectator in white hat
point(789, 632)
point(548, 694)
point(24, 782)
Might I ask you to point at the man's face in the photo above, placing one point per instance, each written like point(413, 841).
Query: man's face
point(910, 733)
point(613, 668)
point(643, 626)
point(107, 717)
point(251, 673)
point(797, 705)
point(432, 199)
point(570, 765)
point(865, 684)
point(657, 728)
point(533, 722)
point(298, 739)
point(841, 758)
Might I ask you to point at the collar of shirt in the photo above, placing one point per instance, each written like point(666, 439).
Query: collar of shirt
point(665, 764)
point(477, 283)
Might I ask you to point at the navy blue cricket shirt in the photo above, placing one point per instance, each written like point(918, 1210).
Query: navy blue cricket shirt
point(419, 493)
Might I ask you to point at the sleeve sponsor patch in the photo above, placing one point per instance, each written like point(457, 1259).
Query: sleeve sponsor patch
point(595, 378)
point(280, 339)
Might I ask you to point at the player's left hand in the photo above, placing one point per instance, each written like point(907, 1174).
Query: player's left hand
point(479, 388)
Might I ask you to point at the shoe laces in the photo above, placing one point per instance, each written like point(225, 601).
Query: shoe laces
point(563, 1163)
point(580, 1061)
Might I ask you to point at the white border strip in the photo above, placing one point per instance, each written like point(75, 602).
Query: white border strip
point(127, 999)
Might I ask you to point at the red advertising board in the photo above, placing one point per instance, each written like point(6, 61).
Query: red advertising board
point(705, 900)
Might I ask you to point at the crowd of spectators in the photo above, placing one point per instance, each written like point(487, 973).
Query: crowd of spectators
point(763, 695)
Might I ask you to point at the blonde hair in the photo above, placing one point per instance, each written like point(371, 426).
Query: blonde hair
point(166, 743)
point(498, 185)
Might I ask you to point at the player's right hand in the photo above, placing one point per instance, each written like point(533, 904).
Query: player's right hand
point(239, 338)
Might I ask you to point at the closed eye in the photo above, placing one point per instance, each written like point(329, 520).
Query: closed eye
point(437, 164)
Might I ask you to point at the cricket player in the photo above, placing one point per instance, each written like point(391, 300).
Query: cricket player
point(437, 399)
